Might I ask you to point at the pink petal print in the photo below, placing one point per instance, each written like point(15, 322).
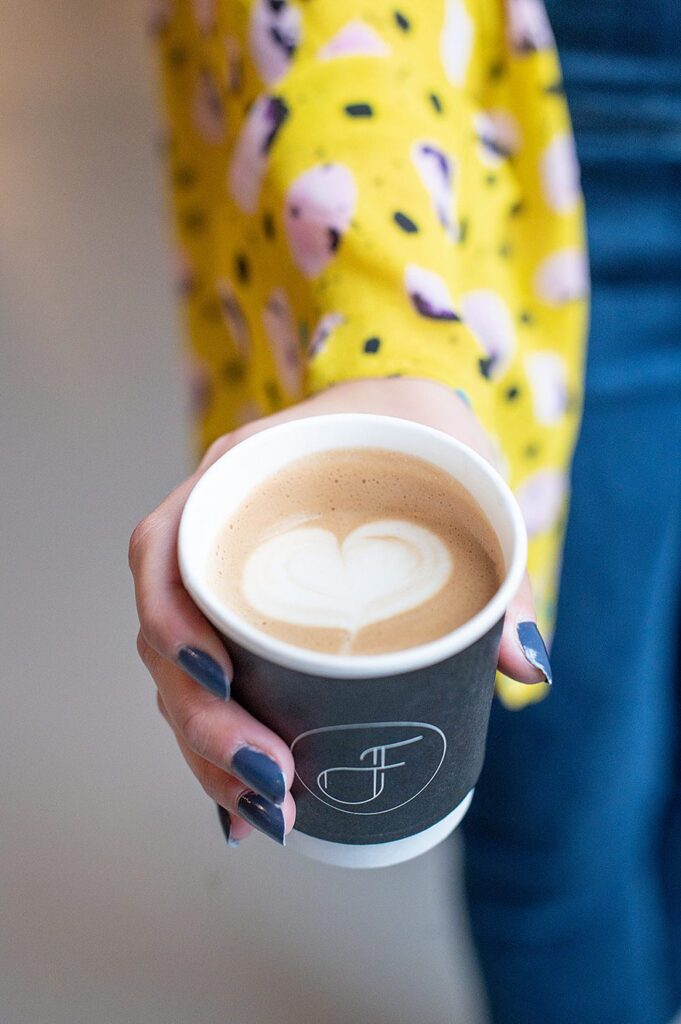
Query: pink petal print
point(560, 174)
point(529, 29)
point(436, 170)
point(247, 412)
point(235, 64)
point(541, 498)
point(319, 207)
point(198, 382)
point(323, 331)
point(563, 277)
point(184, 274)
point(204, 12)
point(234, 317)
point(547, 374)
point(429, 293)
point(498, 136)
point(490, 320)
point(208, 110)
point(249, 159)
point(354, 40)
point(273, 36)
point(280, 328)
point(456, 41)
point(158, 16)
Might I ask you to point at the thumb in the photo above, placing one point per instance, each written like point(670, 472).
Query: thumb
point(523, 655)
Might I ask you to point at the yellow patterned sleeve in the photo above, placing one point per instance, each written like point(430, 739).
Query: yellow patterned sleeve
point(372, 189)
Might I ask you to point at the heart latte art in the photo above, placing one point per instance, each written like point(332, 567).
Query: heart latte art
point(356, 551)
point(382, 569)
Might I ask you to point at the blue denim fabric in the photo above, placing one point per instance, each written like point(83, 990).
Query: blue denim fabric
point(622, 67)
point(573, 840)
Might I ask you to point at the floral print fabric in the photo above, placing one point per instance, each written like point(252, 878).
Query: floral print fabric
point(365, 188)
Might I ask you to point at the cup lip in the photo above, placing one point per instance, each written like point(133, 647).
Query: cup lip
point(361, 666)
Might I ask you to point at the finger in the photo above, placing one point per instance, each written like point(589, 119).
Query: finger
point(233, 828)
point(245, 808)
point(225, 735)
point(170, 621)
point(523, 655)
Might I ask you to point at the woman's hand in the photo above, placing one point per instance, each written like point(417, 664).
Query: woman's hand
point(241, 764)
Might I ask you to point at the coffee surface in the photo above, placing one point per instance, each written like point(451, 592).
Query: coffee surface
point(357, 551)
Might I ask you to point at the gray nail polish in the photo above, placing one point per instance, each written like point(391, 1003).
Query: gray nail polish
point(226, 822)
point(260, 772)
point(263, 815)
point(534, 648)
point(205, 670)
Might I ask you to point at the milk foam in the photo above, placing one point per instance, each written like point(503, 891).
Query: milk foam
point(307, 578)
point(356, 551)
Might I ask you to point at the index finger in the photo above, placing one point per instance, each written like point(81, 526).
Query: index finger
point(170, 622)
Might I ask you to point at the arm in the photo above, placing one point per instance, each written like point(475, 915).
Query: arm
point(377, 208)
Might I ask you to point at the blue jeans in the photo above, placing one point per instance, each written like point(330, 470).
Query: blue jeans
point(573, 840)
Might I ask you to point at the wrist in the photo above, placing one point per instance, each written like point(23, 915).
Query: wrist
point(416, 398)
point(368, 394)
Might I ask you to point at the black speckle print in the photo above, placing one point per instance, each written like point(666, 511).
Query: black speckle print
point(404, 222)
point(512, 394)
point(277, 112)
point(497, 70)
point(372, 345)
point(194, 220)
point(359, 110)
point(486, 367)
point(526, 317)
point(268, 225)
point(294, 211)
point(505, 250)
point(427, 309)
point(287, 45)
point(531, 451)
point(555, 89)
point(516, 209)
point(403, 22)
point(242, 268)
point(234, 371)
point(436, 102)
point(276, 5)
point(177, 57)
point(463, 230)
point(185, 176)
point(334, 238)
point(273, 393)
point(491, 179)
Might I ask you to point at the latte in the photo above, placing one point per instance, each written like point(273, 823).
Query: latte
point(357, 551)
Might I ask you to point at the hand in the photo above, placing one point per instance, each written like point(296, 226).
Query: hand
point(241, 764)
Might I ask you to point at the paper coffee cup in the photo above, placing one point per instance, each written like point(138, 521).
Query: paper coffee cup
point(387, 747)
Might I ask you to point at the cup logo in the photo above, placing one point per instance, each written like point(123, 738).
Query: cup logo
point(370, 767)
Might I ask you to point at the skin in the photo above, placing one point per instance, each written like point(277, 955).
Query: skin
point(208, 730)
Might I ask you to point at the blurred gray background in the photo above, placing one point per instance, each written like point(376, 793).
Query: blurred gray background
point(119, 900)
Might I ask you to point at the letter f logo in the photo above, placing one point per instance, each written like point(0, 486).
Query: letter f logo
point(374, 771)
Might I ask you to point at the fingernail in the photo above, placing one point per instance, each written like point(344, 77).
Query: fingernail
point(226, 823)
point(205, 670)
point(261, 772)
point(263, 815)
point(534, 648)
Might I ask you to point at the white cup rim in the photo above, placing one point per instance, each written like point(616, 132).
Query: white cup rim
point(363, 666)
